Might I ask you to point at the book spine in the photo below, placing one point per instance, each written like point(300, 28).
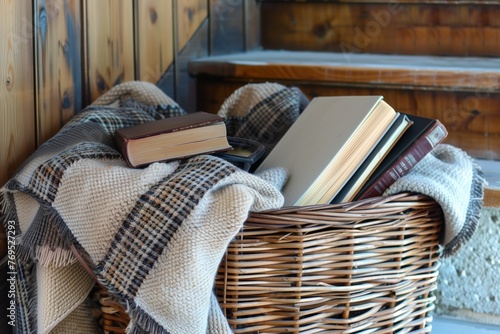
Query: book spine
point(122, 145)
point(416, 152)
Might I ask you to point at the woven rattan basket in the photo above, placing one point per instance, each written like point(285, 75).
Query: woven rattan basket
point(362, 267)
point(111, 317)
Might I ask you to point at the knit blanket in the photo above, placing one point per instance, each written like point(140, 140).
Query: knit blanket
point(452, 178)
point(154, 237)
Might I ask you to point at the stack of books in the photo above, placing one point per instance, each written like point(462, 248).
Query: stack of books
point(185, 136)
point(340, 149)
point(344, 148)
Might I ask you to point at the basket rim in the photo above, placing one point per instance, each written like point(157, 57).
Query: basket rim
point(403, 197)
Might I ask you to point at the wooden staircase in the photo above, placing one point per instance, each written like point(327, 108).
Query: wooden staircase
point(412, 27)
point(431, 58)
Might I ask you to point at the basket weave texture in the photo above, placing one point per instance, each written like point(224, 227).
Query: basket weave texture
point(111, 317)
point(361, 267)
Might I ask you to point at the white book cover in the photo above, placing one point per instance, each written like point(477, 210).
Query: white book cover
point(315, 139)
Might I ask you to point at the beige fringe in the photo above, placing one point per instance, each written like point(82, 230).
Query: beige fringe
point(54, 257)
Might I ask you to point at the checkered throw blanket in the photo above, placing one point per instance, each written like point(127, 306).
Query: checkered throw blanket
point(154, 237)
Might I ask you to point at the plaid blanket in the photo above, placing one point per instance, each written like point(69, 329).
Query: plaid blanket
point(153, 237)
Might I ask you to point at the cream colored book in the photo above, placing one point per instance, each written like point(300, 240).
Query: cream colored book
point(374, 159)
point(326, 145)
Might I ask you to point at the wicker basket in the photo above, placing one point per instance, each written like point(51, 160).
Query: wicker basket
point(362, 267)
point(111, 317)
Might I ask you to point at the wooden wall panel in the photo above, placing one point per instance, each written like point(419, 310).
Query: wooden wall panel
point(17, 90)
point(190, 15)
point(155, 41)
point(110, 57)
point(456, 29)
point(58, 64)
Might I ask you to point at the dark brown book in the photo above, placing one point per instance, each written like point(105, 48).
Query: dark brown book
point(172, 138)
point(422, 136)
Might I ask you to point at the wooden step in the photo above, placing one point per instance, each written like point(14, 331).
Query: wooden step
point(440, 27)
point(464, 93)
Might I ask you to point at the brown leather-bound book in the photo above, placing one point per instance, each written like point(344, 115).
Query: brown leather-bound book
point(172, 138)
point(414, 145)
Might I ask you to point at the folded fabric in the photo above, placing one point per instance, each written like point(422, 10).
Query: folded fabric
point(154, 237)
point(262, 112)
point(452, 178)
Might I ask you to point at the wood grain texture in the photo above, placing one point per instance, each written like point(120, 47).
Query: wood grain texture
point(491, 198)
point(456, 29)
point(452, 73)
point(58, 64)
point(155, 42)
point(190, 15)
point(17, 106)
point(110, 45)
